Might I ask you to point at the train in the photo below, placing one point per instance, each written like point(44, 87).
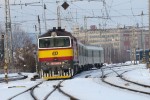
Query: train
point(61, 55)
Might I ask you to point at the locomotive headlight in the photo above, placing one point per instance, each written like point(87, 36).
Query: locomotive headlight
point(63, 62)
point(66, 61)
point(47, 63)
point(43, 63)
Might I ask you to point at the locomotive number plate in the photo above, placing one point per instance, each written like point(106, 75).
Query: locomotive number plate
point(55, 63)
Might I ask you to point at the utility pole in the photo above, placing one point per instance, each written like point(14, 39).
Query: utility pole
point(58, 16)
point(45, 17)
point(133, 47)
point(85, 30)
point(110, 52)
point(39, 25)
point(149, 33)
point(8, 52)
point(143, 38)
point(149, 24)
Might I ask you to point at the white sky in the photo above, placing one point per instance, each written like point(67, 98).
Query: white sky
point(91, 88)
point(26, 16)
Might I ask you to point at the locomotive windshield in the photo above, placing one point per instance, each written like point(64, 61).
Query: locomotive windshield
point(54, 42)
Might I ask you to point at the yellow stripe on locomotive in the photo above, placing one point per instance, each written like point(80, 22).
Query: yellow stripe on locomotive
point(55, 53)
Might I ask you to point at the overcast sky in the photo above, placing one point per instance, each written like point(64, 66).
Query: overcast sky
point(119, 13)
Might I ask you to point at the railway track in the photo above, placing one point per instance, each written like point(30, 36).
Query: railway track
point(124, 83)
point(29, 89)
point(47, 95)
point(56, 87)
point(14, 78)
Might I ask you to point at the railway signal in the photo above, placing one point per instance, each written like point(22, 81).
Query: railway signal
point(65, 5)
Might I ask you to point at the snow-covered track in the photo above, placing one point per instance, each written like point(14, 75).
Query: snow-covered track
point(58, 86)
point(32, 91)
point(68, 95)
point(14, 78)
point(31, 88)
point(55, 87)
point(125, 79)
point(126, 84)
point(144, 85)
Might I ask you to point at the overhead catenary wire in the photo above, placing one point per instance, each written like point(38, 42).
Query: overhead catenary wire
point(132, 11)
point(73, 3)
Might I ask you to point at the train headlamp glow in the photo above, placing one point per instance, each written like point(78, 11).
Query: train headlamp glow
point(47, 63)
point(63, 62)
point(53, 34)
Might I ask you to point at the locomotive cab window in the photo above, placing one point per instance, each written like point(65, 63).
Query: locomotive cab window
point(54, 42)
point(62, 42)
point(45, 43)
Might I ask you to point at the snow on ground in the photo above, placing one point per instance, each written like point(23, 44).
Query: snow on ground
point(91, 88)
point(15, 87)
point(140, 75)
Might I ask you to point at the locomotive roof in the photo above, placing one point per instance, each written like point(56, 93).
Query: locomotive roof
point(59, 32)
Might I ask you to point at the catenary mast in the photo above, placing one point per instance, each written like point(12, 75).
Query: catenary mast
point(8, 53)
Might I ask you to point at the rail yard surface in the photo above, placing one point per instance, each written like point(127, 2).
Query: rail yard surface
point(95, 84)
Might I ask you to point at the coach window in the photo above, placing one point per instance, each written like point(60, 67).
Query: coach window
point(85, 52)
point(82, 52)
point(80, 49)
point(90, 53)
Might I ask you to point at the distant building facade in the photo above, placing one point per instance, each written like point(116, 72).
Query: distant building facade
point(115, 41)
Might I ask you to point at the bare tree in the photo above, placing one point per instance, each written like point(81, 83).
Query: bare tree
point(1, 46)
point(20, 38)
point(23, 50)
